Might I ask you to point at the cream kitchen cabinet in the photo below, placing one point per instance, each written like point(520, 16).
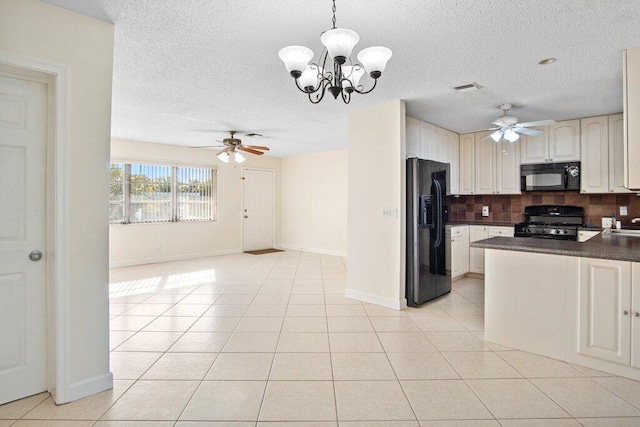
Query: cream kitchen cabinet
point(429, 142)
point(457, 250)
point(497, 166)
point(559, 142)
point(476, 255)
point(467, 164)
point(480, 232)
point(412, 137)
point(616, 154)
point(605, 328)
point(602, 157)
point(631, 103)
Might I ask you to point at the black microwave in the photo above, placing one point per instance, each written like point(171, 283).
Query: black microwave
point(550, 177)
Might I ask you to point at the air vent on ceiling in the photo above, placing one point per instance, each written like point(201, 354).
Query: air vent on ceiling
point(468, 88)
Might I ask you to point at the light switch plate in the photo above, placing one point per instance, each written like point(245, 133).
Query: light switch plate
point(623, 211)
point(389, 212)
point(485, 211)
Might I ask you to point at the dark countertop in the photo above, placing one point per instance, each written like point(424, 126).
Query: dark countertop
point(607, 246)
point(485, 223)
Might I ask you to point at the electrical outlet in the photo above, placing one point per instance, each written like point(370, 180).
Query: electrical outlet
point(389, 212)
point(623, 211)
point(485, 211)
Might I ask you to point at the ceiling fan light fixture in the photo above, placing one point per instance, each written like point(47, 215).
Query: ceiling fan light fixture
point(239, 158)
point(497, 135)
point(224, 157)
point(510, 135)
point(335, 77)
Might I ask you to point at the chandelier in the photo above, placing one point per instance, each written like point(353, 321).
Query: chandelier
point(314, 79)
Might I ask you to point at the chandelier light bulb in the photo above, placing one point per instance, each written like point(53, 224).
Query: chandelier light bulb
point(239, 158)
point(353, 74)
point(339, 43)
point(224, 157)
point(295, 59)
point(309, 78)
point(374, 59)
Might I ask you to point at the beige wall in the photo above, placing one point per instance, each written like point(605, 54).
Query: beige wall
point(314, 202)
point(35, 30)
point(376, 167)
point(146, 243)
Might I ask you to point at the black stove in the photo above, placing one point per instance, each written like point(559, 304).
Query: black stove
point(551, 222)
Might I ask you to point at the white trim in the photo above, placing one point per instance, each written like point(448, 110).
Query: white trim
point(154, 260)
point(153, 162)
point(89, 386)
point(313, 250)
point(375, 299)
point(58, 284)
point(273, 205)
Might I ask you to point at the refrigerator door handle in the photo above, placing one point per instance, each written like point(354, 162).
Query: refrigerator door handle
point(438, 213)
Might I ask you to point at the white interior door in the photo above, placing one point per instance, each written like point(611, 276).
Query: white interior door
point(258, 209)
point(23, 352)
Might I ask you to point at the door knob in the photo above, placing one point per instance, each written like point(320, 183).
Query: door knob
point(35, 256)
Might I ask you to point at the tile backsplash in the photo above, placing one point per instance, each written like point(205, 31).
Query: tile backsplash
point(503, 208)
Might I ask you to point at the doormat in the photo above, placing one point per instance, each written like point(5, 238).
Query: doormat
point(263, 251)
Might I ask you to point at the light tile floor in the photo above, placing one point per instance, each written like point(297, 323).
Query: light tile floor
point(245, 340)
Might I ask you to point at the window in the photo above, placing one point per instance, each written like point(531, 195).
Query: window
point(142, 193)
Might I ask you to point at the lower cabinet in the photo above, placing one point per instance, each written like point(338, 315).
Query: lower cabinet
point(480, 232)
point(610, 310)
point(476, 255)
point(457, 250)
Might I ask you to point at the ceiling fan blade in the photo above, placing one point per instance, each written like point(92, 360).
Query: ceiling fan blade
point(221, 151)
point(538, 123)
point(257, 147)
point(527, 131)
point(249, 150)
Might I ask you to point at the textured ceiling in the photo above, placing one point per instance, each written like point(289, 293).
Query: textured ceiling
point(183, 68)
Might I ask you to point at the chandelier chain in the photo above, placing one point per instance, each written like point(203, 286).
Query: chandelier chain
point(333, 9)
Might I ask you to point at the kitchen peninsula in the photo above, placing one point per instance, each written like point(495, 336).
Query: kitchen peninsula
point(576, 302)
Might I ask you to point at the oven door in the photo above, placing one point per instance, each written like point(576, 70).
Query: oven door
point(543, 177)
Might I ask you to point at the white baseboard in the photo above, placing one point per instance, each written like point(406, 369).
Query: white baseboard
point(313, 250)
point(89, 386)
point(180, 257)
point(376, 299)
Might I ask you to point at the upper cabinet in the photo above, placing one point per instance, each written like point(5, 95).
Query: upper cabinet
point(631, 105)
point(467, 163)
point(557, 143)
point(497, 165)
point(602, 155)
point(429, 142)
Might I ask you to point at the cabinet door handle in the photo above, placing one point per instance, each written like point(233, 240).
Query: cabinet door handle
point(637, 314)
point(625, 312)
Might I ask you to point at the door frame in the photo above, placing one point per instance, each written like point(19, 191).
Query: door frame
point(57, 172)
point(273, 205)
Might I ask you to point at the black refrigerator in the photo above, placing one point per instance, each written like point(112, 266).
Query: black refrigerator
point(427, 215)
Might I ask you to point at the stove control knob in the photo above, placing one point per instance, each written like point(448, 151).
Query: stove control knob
point(529, 230)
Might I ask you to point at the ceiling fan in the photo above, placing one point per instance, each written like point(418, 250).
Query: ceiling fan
point(509, 128)
point(233, 145)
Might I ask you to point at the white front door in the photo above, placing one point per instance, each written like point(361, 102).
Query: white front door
point(258, 209)
point(23, 126)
